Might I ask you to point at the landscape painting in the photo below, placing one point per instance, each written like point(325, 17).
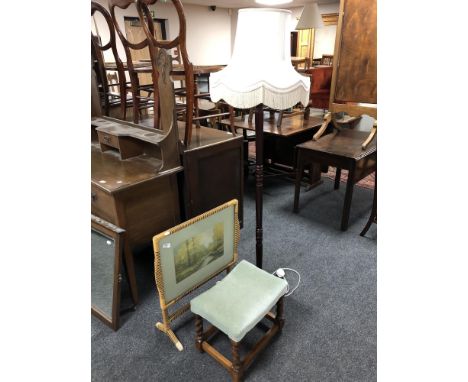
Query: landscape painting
point(195, 253)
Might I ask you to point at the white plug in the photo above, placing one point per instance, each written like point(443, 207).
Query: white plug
point(280, 273)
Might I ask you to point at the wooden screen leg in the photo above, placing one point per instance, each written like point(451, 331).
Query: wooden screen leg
point(236, 363)
point(199, 333)
point(347, 202)
point(259, 183)
point(337, 178)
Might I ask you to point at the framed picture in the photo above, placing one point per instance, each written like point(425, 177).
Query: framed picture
point(192, 253)
point(106, 261)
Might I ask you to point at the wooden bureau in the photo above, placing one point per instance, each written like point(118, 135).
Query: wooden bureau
point(132, 186)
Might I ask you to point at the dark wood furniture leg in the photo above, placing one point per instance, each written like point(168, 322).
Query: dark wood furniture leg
point(259, 183)
point(373, 215)
point(348, 198)
point(128, 258)
point(297, 186)
point(280, 313)
point(236, 362)
point(337, 178)
point(199, 333)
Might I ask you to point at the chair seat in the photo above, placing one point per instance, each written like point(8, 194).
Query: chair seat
point(239, 301)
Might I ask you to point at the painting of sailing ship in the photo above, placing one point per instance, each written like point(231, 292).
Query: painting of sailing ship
point(200, 250)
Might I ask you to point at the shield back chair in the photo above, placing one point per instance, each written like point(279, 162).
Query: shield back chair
point(327, 59)
point(109, 97)
point(135, 69)
point(353, 94)
point(179, 43)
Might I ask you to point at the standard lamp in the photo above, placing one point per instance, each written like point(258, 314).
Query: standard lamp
point(310, 19)
point(260, 73)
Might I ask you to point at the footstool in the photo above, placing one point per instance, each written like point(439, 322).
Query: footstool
point(234, 306)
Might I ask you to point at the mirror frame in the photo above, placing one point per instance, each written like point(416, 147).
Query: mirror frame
point(117, 234)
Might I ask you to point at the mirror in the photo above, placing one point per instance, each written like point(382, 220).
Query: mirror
point(106, 260)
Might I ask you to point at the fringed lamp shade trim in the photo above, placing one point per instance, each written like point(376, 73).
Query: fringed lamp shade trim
point(260, 70)
point(263, 93)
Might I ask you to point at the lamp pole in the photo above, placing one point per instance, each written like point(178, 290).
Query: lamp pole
point(259, 183)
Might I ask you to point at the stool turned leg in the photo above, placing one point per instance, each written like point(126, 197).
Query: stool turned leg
point(337, 178)
point(280, 313)
point(199, 333)
point(236, 363)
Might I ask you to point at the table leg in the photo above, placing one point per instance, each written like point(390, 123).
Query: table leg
point(297, 185)
point(337, 178)
point(348, 198)
point(373, 215)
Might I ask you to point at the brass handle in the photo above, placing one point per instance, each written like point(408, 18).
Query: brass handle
point(106, 139)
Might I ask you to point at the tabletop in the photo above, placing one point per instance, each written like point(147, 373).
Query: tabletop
point(290, 125)
point(177, 69)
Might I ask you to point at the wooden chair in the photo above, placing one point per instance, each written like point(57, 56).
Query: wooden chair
point(320, 84)
point(140, 102)
point(327, 59)
point(179, 43)
point(108, 94)
point(353, 94)
point(252, 293)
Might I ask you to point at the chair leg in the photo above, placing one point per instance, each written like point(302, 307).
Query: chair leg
point(337, 178)
point(347, 202)
point(198, 333)
point(373, 215)
point(236, 363)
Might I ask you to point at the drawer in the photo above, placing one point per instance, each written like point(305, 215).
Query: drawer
point(102, 205)
point(108, 140)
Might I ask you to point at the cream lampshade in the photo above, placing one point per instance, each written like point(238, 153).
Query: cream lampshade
point(260, 70)
point(310, 17)
point(260, 73)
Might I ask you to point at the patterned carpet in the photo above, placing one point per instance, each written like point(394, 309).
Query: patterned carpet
point(367, 182)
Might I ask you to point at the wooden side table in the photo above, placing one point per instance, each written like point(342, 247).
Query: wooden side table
point(342, 150)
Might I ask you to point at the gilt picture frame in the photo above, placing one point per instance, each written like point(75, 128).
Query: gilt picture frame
point(192, 253)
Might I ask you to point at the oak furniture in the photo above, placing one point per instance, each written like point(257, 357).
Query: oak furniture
point(279, 142)
point(109, 98)
point(327, 59)
point(320, 84)
point(234, 306)
point(134, 171)
point(141, 93)
point(213, 170)
point(342, 150)
point(179, 43)
point(353, 102)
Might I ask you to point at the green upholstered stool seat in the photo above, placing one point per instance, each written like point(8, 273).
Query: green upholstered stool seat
point(239, 301)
